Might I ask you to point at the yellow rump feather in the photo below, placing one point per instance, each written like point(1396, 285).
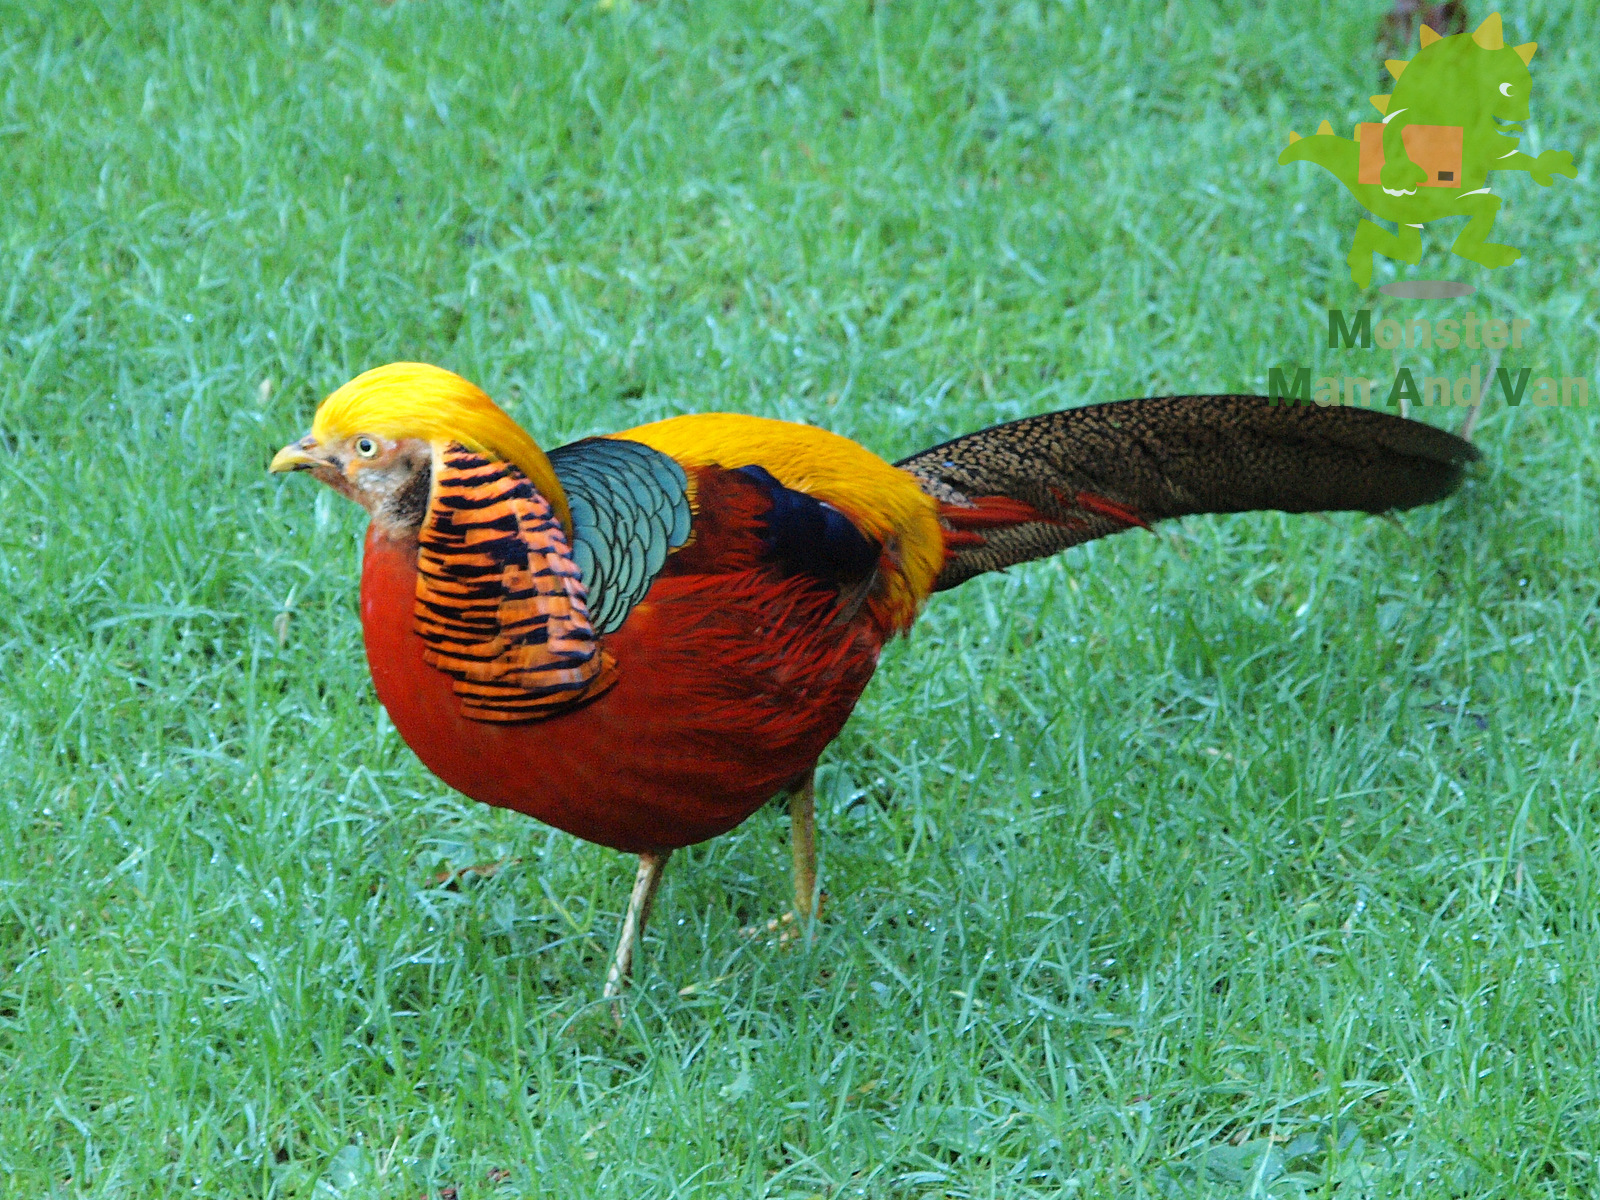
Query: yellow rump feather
point(416, 400)
point(883, 501)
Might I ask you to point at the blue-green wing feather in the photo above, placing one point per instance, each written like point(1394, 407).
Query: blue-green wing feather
point(630, 509)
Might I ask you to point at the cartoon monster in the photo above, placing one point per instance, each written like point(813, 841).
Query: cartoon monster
point(1451, 120)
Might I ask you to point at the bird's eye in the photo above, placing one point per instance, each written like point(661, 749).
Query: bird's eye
point(366, 447)
point(1505, 89)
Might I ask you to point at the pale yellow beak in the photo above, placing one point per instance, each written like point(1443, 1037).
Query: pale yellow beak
point(298, 456)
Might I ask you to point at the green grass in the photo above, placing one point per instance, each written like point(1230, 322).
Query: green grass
point(1258, 858)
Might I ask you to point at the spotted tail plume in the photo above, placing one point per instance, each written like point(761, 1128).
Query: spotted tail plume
point(1030, 488)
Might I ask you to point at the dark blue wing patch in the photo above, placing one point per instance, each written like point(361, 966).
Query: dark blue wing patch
point(813, 538)
point(630, 509)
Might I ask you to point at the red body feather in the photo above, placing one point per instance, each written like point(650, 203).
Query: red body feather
point(731, 680)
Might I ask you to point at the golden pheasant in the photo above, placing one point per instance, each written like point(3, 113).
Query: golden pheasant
point(641, 638)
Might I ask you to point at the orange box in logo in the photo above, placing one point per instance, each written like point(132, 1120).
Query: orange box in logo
point(1434, 148)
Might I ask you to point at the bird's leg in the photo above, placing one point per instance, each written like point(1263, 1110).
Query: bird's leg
point(645, 883)
point(808, 900)
point(803, 841)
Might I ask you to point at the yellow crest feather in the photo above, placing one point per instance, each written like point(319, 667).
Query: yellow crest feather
point(1428, 36)
point(417, 400)
point(1489, 35)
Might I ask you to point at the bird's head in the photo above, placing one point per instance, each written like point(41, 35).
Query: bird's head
point(376, 438)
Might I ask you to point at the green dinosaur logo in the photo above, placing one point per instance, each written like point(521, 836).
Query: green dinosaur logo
point(1451, 120)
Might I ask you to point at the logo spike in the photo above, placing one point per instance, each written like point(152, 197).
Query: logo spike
point(1293, 137)
point(1395, 66)
point(1429, 37)
point(1525, 51)
point(1325, 127)
point(1381, 103)
point(1489, 35)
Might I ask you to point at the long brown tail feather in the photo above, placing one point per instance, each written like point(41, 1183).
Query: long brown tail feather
point(1031, 488)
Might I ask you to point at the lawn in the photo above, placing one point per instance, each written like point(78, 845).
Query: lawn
point(1260, 857)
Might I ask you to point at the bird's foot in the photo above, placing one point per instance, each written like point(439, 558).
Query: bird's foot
point(785, 930)
point(450, 878)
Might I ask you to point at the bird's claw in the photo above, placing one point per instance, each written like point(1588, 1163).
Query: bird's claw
point(785, 930)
